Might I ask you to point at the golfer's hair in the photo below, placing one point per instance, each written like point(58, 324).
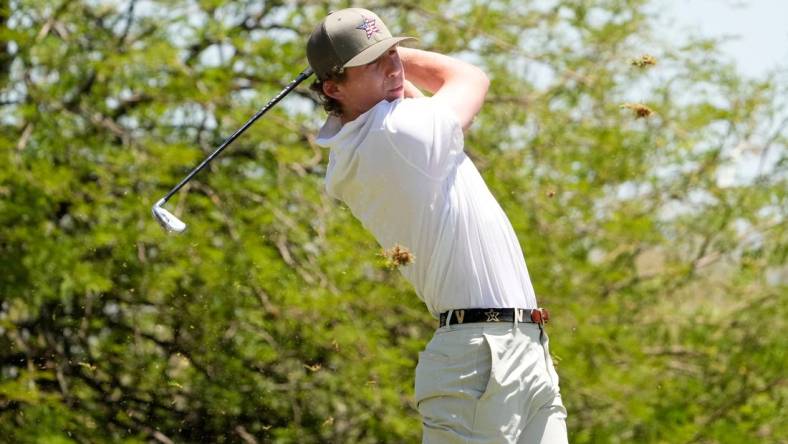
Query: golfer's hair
point(331, 105)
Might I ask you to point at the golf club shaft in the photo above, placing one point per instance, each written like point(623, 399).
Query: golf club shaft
point(301, 77)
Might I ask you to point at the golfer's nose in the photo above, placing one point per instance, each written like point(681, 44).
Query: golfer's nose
point(393, 64)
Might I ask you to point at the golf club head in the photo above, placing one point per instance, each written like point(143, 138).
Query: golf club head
point(167, 219)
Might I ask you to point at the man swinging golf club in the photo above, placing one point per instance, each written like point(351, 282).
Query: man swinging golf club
point(397, 161)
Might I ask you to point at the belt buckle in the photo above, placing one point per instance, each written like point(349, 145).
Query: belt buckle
point(540, 316)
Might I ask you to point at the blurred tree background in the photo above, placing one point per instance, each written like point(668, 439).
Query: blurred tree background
point(657, 239)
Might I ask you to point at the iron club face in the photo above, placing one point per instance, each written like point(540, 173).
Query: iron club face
point(167, 219)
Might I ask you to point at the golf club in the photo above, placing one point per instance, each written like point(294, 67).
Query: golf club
point(168, 220)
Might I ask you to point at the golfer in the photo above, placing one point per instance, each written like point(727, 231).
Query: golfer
point(397, 161)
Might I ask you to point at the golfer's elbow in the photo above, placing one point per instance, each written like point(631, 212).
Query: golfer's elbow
point(482, 82)
point(474, 78)
point(481, 79)
point(473, 90)
point(464, 91)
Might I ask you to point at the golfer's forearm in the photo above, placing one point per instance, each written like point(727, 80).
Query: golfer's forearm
point(430, 70)
point(457, 84)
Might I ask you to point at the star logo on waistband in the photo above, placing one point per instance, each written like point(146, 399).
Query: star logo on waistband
point(492, 316)
point(369, 26)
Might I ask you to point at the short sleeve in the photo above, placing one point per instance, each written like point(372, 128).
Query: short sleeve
point(426, 134)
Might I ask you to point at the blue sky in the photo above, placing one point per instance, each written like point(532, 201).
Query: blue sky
point(760, 28)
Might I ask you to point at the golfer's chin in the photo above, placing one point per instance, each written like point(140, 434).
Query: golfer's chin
point(396, 94)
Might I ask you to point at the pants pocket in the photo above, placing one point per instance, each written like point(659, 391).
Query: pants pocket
point(452, 374)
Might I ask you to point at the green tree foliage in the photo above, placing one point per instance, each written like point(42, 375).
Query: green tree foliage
point(658, 242)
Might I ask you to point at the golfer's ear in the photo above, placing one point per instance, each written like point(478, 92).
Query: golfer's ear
point(331, 89)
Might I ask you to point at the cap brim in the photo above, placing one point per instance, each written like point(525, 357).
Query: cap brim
point(376, 50)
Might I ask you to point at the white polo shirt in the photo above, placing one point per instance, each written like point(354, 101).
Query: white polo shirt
point(401, 169)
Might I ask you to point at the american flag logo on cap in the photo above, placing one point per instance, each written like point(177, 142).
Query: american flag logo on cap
point(369, 26)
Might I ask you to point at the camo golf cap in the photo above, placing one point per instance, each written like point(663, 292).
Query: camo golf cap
point(348, 37)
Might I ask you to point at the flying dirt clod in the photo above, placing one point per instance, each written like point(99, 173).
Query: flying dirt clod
point(644, 61)
point(641, 111)
point(398, 256)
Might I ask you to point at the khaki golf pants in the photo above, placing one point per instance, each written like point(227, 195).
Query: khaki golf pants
point(489, 383)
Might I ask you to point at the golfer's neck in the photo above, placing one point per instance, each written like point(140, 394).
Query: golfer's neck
point(349, 116)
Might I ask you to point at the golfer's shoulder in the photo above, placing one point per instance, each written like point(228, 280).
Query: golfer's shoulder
point(418, 117)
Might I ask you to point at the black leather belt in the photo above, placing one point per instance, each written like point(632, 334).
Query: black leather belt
point(469, 315)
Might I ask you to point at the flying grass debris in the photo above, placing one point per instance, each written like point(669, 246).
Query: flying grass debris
point(644, 61)
point(640, 110)
point(313, 368)
point(88, 366)
point(398, 256)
